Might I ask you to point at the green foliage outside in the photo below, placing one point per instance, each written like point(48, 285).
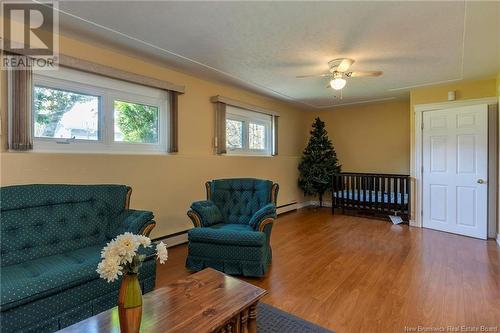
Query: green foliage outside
point(319, 162)
point(137, 122)
point(51, 105)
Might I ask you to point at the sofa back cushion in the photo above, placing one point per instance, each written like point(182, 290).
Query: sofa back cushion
point(44, 220)
point(239, 198)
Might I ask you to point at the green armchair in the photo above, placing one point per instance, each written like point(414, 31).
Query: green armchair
point(233, 227)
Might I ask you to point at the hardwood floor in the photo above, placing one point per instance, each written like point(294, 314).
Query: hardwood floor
point(353, 274)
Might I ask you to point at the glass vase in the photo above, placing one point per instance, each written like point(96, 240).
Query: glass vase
point(130, 304)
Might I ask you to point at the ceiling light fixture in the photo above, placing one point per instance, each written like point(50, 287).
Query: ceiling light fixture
point(338, 83)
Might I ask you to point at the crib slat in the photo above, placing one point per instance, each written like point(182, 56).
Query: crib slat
point(390, 190)
point(369, 194)
point(402, 195)
point(386, 194)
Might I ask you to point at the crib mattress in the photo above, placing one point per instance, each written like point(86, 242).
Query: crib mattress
point(373, 197)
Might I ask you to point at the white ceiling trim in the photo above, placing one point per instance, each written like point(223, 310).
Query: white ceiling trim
point(461, 61)
point(426, 84)
point(360, 102)
point(256, 85)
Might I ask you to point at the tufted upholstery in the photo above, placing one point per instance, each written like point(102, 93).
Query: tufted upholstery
point(232, 236)
point(51, 241)
point(239, 199)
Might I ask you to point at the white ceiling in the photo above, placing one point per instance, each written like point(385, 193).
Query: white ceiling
point(265, 45)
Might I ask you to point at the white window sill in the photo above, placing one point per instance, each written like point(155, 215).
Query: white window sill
point(246, 155)
point(88, 152)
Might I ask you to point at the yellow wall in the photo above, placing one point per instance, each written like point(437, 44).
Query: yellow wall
point(165, 184)
point(369, 137)
point(498, 84)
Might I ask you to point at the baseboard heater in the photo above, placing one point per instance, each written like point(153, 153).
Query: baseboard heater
point(287, 208)
point(174, 239)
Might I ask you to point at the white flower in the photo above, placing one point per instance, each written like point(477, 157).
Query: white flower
point(161, 252)
point(126, 246)
point(109, 269)
point(143, 240)
point(118, 255)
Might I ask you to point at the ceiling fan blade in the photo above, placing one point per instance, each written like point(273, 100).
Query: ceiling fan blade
point(345, 64)
point(316, 75)
point(364, 74)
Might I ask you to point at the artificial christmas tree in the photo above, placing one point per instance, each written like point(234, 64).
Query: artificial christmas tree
point(319, 163)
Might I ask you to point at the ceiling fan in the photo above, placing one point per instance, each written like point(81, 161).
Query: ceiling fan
point(339, 72)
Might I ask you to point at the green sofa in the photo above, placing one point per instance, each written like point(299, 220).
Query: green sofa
point(233, 227)
point(51, 239)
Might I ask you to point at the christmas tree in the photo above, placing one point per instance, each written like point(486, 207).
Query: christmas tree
point(319, 163)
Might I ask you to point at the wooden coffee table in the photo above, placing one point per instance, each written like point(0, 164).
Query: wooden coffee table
point(207, 301)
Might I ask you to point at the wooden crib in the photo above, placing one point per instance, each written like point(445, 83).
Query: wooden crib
point(373, 194)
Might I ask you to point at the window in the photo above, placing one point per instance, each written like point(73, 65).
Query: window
point(248, 132)
point(77, 111)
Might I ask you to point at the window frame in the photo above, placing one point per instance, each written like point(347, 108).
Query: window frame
point(108, 90)
point(247, 117)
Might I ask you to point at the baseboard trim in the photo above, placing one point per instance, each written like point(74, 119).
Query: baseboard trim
point(291, 207)
point(174, 239)
point(414, 223)
point(326, 203)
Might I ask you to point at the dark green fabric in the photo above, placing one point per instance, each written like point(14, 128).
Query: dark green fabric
point(208, 212)
point(265, 212)
point(235, 246)
point(231, 234)
point(69, 217)
point(238, 199)
point(31, 280)
point(49, 194)
point(57, 310)
point(133, 221)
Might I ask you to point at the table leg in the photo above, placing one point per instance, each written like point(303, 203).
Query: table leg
point(252, 319)
point(244, 319)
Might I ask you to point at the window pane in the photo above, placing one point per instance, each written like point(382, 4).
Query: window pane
point(65, 114)
point(234, 134)
point(137, 123)
point(257, 136)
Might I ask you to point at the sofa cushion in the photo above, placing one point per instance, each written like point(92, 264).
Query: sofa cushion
point(114, 196)
point(208, 212)
point(229, 234)
point(41, 231)
point(239, 199)
point(31, 280)
point(37, 278)
point(59, 307)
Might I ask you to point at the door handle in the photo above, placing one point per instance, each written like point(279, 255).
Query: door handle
point(481, 181)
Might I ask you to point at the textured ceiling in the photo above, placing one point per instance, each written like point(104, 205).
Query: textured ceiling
point(265, 45)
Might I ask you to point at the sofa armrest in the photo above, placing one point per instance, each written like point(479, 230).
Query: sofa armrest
point(263, 216)
point(195, 218)
point(138, 222)
point(205, 213)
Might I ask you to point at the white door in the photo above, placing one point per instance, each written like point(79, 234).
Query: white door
point(455, 170)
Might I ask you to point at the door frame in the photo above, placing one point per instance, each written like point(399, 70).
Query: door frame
point(416, 173)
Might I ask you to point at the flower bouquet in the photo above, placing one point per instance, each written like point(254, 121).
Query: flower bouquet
point(121, 257)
